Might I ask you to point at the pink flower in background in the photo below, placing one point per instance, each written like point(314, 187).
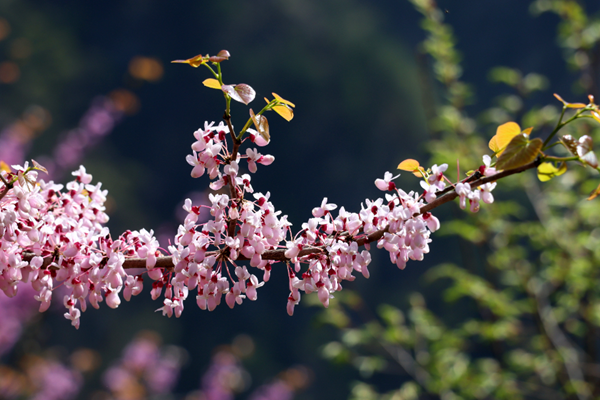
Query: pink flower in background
point(54, 381)
point(145, 368)
point(15, 312)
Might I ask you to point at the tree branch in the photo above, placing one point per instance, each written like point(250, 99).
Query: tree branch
point(278, 255)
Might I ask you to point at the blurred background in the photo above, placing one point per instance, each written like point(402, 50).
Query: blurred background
point(91, 83)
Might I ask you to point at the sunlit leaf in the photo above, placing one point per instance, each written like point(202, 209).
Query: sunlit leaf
point(286, 112)
point(282, 100)
point(212, 83)
point(261, 124)
point(409, 165)
point(594, 194)
point(194, 61)
point(528, 130)
point(412, 166)
point(504, 134)
point(547, 171)
point(519, 151)
point(285, 109)
point(596, 116)
point(241, 92)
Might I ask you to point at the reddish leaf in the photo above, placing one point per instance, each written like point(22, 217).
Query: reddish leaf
point(221, 56)
point(242, 92)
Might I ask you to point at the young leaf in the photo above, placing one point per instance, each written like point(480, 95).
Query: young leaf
point(221, 56)
point(194, 61)
point(261, 124)
point(282, 100)
point(504, 134)
point(412, 166)
point(241, 92)
point(212, 83)
point(519, 151)
point(570, 143)
point(547, 171)
point(285, 110)
point(409, 165)
point(570, 105)
point(38, 166)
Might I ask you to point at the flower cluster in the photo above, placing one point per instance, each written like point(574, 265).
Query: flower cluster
point(247, 230)
point(483, 192)
point(201, 252)
point(53, 236)
point(50, 235)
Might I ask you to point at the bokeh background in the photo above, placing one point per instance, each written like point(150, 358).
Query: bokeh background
point(364, 94)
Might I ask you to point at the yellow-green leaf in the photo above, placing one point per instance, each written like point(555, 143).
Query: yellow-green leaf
point(212, 83)
point(519, 151)
point(547, 171)
point(504, 134)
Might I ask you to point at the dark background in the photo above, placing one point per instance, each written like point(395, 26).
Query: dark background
point(353, 69)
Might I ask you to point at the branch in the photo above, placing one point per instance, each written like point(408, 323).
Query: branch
point(448, 195)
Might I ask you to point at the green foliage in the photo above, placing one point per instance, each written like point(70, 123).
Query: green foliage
point(535, 291)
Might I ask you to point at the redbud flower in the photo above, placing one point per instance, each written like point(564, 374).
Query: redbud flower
point(386, 183)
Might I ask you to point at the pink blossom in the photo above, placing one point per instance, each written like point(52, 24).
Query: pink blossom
point(386, 183)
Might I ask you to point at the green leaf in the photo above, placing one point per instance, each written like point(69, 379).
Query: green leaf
point(519, 151)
